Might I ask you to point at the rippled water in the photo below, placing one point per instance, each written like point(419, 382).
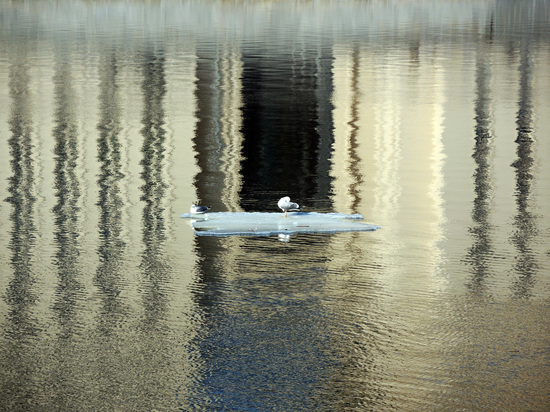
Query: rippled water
point(428, 118)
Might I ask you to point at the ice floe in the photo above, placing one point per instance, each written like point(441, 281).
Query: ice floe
point(267, 224)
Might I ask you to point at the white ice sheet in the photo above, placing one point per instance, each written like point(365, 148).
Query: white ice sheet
point(267, 224)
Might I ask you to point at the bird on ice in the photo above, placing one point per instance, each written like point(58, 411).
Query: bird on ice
point(285, 204)
point(195, 210)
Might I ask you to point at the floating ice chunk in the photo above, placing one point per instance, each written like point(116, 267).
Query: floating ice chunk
point(267, 224)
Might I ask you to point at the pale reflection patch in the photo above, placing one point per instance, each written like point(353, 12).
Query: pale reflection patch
point(231, 72)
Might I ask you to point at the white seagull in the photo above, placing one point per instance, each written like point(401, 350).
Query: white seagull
point(285, 204)
point(196, 210)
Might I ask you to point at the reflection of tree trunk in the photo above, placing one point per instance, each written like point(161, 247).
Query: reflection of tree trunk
point(67, 193)
point(110, 203)
point(21, 327)
point(67, 227)
point(524, 220)
point(355, 161)
point(483, 184)
point(154, 151)
point(111, 246)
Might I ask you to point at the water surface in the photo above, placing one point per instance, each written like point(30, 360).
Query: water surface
point(430, 119)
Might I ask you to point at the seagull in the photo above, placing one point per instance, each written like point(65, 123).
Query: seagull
point(196, 210)
point(285, 204)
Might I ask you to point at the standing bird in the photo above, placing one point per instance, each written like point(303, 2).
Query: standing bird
point(285, 204)
point(197, 210)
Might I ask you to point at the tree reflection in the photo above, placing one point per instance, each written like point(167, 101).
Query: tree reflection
point(524, 221)
point(21, 330)
point(355, 162)
point(67, 233)
point(111, 249)
point(154, 187)
point(110, 202)
point(67, 193)
point(154, 266)
point(481, 251)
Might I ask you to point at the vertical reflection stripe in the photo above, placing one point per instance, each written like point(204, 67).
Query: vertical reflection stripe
point(525, 221)
point(21, 328)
